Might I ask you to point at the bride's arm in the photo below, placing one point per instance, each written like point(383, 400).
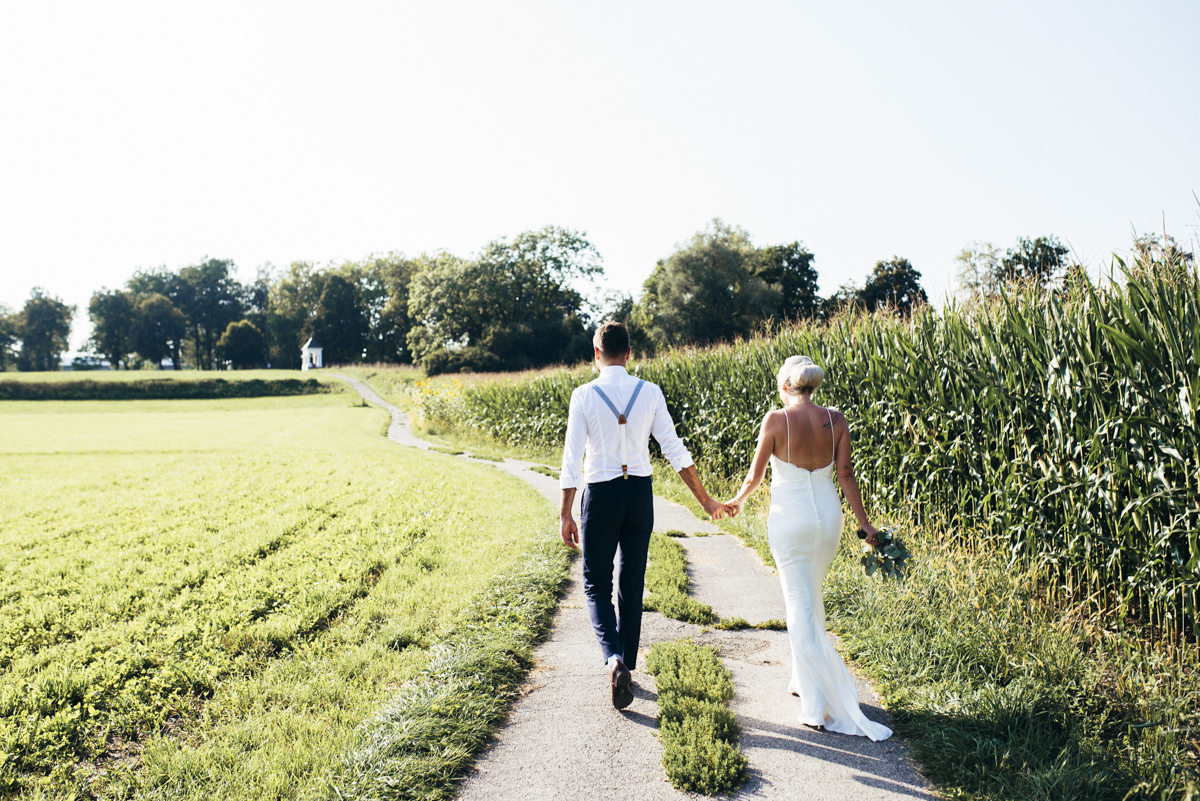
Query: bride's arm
point(758, 467)
point(847, 481)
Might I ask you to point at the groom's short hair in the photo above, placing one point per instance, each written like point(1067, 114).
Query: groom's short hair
point(612, 339)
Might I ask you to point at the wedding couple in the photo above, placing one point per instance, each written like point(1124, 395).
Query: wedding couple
point(612, 418)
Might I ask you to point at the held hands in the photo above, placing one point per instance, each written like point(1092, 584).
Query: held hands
point(734, 507)
point(716, 510)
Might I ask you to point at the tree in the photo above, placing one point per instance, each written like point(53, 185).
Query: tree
point(291, 302)
point(8, 338)
point(254, 301)
point(620, 307)
point(211, 302)
point(518, 301)
point(441, 305)
point(242, 345)
point(893, 284)
point(1150, 253)
point(980, 269)
point(1034, 260)
point(339, 322)
point(707, 290)
point(788, 270)
point(383, 286)
point(846, 297)
point(113, 321)
point(162, 282)
point(158, 330)
point(44, 326)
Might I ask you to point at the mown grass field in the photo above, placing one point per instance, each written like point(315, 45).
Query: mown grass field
point(206, 598)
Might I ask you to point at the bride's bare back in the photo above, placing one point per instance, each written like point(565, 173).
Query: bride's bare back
point(812, 441)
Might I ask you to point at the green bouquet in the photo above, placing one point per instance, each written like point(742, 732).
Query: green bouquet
point(888, 556)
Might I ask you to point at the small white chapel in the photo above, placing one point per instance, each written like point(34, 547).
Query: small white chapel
point(310, 355)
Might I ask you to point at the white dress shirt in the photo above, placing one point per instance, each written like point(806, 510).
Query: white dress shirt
point(592, 428)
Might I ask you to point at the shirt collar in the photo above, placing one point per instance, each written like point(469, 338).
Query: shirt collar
point(613, 369)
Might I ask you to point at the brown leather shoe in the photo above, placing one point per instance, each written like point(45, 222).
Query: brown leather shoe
point(622, 686)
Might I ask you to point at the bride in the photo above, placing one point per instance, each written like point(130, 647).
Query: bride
point(804, 443)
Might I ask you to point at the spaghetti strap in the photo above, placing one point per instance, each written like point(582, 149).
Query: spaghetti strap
point(832, 434)
point(789, 430)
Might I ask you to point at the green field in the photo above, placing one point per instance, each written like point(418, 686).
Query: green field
point(206, 598)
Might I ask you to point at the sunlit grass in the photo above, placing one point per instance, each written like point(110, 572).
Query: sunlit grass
point(205, 598)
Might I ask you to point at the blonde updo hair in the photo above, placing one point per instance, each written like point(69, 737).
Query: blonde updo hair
point(800, 373)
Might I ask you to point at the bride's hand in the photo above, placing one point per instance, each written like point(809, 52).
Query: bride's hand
point(733, 508)
point(872, 534)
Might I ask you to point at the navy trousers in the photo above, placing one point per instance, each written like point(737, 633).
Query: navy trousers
point(618, 517)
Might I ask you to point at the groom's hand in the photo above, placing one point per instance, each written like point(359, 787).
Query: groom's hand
point(570, 532)
point(716, 510)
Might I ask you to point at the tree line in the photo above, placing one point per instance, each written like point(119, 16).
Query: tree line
point(523, 302)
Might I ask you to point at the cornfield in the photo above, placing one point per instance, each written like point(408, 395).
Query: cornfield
point(1058, 427)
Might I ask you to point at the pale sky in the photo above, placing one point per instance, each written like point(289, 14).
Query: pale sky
point(134, 135)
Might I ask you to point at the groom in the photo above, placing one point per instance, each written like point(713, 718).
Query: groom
point(612, 419)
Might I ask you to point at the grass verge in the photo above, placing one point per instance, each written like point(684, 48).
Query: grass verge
point(422, 741)
point(1002, 696)
point(698, 732)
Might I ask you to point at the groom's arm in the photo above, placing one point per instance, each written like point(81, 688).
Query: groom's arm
point(675, 452)
point(715, 509)
point(572, 467)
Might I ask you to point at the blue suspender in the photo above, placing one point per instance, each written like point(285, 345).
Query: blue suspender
point(621, 418)
point(628, 407)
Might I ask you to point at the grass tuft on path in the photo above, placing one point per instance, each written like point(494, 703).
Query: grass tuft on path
point(667, 581)
point(425, 737)
point(699, 733)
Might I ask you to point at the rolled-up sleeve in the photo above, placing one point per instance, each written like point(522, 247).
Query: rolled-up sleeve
point(572, 463)
point(663, 429)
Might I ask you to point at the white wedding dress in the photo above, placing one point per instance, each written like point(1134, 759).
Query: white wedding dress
point(804, 527)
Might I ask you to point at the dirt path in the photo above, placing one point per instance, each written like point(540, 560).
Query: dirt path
point(563, 740)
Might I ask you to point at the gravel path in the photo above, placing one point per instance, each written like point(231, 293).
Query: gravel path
point(563, 740)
